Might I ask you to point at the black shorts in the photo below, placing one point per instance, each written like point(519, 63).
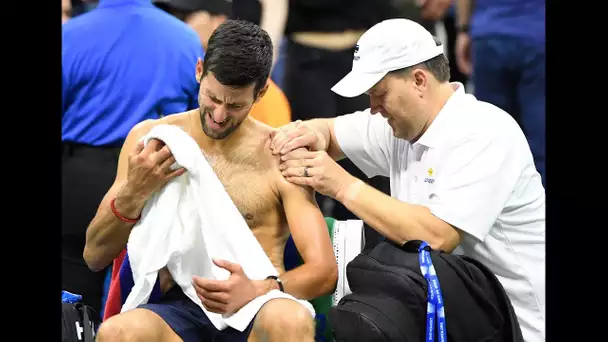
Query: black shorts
point(190, 322)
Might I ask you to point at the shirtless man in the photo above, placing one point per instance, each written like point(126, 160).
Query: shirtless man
point(232, 78)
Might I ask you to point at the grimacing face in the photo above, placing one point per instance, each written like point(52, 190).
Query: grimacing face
point(223, 108)
point(397, 98)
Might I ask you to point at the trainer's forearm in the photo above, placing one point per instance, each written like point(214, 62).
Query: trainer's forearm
point(464, 8)
point(396, 220)
point(107, 235)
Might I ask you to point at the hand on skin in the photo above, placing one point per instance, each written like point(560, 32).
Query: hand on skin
point(150, 168)
point(317, 170)
point(227, 296)
point(295, 135)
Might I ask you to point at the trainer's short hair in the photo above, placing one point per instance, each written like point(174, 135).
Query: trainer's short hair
point(238, 54)
point(438, 66)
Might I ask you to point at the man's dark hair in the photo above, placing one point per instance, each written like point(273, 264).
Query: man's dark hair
point(238, 54)
point(438, 66)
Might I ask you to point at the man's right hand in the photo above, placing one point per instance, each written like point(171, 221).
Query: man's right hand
point(295, 135)
point(150, 169)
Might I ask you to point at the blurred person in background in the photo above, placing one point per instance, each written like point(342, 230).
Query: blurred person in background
point(271, 16)
point(501, 44)
point(204, 16)
point(82, 6)
point(321, 39)
point(428, 13)
point(123, 62)
point(424, 12)
point(451, 31)
point(66, 10)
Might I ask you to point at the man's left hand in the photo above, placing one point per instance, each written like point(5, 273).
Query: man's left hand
point(317, 170)
point(226, 296)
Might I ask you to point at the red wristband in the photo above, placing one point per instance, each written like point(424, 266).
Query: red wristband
point(122, 218)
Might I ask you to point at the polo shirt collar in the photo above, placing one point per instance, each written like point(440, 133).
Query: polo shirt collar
point(433, 133)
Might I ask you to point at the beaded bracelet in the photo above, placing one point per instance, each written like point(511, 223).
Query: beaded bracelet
point(122, 218)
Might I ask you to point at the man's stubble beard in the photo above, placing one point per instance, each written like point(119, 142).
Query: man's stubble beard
point(213, 135)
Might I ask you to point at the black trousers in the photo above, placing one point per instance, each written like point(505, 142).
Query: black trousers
point(87, 174)
point(310, 73)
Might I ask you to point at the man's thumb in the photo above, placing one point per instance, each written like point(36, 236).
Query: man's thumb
point(227, 265)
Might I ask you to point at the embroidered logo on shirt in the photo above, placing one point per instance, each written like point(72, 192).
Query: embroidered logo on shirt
point(429, 179)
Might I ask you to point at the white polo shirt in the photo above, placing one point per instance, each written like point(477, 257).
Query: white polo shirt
point(474, 170)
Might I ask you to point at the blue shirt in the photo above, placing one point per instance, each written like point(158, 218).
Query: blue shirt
point(122, 63)
point(523, 19)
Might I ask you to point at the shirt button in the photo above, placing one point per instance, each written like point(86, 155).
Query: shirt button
point(415, 178)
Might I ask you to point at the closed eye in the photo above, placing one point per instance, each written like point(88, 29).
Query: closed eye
point(229, 105)
point(215, 100)
point(234, 106)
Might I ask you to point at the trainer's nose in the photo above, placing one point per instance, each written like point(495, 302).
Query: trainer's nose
point(375, 105)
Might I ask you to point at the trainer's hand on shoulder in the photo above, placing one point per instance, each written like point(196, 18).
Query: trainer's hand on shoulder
point(295, 135)
point(317, 170)
point(150, 168)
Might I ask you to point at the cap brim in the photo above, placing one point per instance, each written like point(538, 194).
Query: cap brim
point(356, 83)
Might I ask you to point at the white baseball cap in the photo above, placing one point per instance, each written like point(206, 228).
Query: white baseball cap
point(390, 45)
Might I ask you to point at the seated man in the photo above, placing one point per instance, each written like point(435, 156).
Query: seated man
point(232, 78)
point(204, 17)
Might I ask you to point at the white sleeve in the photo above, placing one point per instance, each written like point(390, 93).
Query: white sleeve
point(474, 183)
point(366, 140)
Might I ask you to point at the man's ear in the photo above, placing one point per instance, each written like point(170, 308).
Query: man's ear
point(261, 92)
point(199, 70)
point(420, 79)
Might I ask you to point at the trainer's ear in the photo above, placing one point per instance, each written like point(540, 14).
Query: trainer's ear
point(420, 79)
point(199, 70)
point(261, 92)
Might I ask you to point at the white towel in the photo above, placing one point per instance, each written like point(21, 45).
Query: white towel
point(186, 224)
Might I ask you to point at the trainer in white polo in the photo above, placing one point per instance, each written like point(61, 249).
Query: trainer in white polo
point(461, 170)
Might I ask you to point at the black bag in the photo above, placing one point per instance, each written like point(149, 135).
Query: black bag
point(389, 299)
point(79, 322)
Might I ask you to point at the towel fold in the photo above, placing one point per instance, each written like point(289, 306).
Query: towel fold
point(187, 223)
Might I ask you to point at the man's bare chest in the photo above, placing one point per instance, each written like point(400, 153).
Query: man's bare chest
point(248, 185)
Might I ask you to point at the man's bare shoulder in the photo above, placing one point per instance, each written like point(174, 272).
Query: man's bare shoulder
point(272, 161)
point(261, 138)
point(180, 119)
